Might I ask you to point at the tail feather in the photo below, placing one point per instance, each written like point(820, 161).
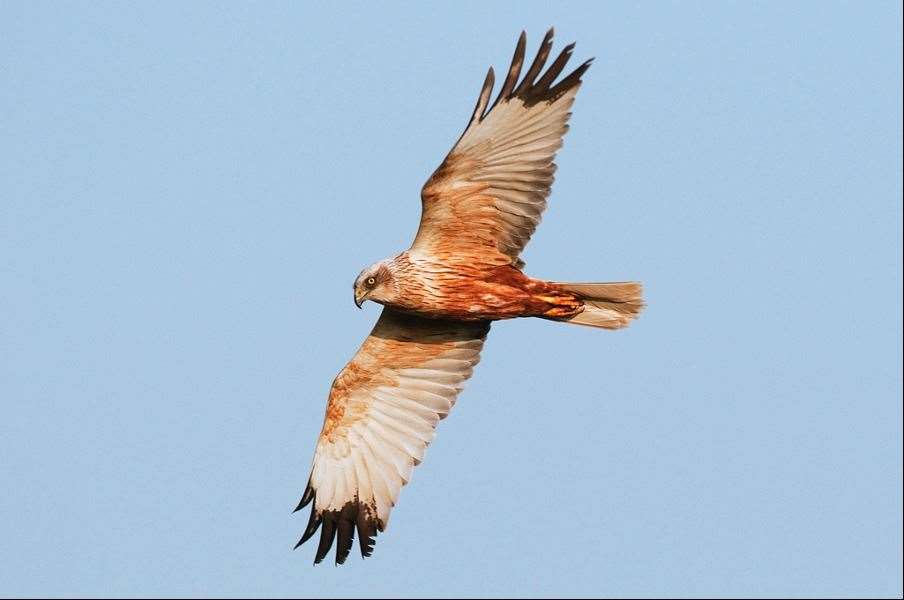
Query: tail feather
point(606, 305)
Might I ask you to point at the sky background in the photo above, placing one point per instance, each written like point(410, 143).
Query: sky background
point(187, 191)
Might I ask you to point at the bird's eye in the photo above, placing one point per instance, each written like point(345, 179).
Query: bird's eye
point(371, 281)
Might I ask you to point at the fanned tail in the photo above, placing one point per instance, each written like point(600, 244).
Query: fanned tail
point(606, 305)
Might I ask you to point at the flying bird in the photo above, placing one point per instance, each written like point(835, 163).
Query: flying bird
point(462, 272)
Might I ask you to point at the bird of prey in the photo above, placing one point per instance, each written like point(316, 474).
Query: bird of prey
point(462, 272)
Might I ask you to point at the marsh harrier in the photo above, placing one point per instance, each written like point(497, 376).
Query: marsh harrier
point(463, 271)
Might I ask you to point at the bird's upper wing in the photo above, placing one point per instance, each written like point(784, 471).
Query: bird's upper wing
point(486, 198)
point(382, 412)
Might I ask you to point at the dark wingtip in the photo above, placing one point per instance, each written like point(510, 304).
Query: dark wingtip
point(313, 523)
point(569, 81)
point(545, 89)
point(340, 526)
point(327, 535)
point(529, 90)
point(537, 65)
point(305, 498)
point(554, 69)
point(345, 536)
point(514, 71)
point(484, 98)
point(367, 532)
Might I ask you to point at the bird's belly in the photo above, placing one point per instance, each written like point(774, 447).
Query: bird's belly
point(476, 300)
point(482, 305)
point(467, 309)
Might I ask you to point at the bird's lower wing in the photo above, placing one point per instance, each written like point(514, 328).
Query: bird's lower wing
point(382, 413)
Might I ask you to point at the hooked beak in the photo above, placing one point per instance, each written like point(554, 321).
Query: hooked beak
point(360, 297)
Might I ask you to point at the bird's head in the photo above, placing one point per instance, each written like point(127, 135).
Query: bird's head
point(374, 283)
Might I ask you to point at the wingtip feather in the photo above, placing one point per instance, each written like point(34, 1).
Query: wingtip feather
point(305, 498)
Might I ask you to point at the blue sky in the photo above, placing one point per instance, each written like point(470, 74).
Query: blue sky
point(187, 193)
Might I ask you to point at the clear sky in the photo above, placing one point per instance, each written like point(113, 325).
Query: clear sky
point(188, 190)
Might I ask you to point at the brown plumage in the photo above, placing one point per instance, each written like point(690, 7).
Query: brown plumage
point(463, 271)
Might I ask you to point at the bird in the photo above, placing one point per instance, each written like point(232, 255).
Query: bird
point(462, 272)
